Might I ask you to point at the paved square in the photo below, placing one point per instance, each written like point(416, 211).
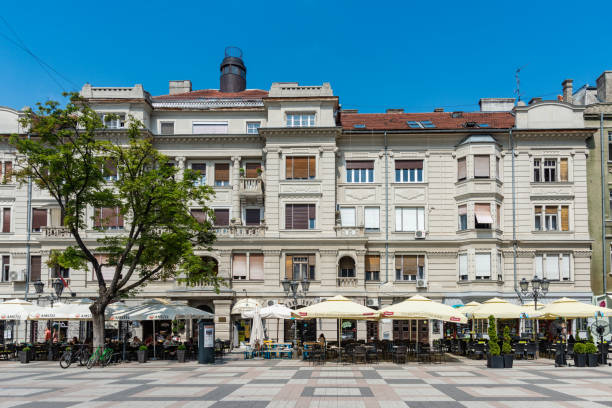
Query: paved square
point(235, 383)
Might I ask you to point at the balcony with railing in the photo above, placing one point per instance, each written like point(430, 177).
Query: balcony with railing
point(251, 186)
point(55, 232)
point(342, 231)
point(343, 282)
point(240, 231)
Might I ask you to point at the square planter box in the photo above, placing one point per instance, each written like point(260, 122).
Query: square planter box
point(580, 360)
point(142, 355)
point(592, 360)
point(508, 360)
point(24, 357)
point(495, 361)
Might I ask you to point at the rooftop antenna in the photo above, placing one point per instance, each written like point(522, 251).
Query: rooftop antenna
point(517, 76)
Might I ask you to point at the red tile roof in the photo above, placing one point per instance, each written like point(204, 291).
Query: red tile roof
point(441, 120)
point(215, 93)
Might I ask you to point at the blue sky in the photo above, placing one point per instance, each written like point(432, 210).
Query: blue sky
point(376, 55)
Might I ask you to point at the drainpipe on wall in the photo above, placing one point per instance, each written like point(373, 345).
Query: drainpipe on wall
point(514, 244)
point(603, 205)
point(386, 211)
point(28, 235)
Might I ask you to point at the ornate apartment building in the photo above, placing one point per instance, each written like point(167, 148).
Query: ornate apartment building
point(456, 206)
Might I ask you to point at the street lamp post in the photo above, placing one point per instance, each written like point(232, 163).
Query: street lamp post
point(58, 287)
point(539, 289)
point(292, 287)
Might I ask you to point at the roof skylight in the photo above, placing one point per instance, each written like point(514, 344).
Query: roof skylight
point(359, 126)
point(420, 124)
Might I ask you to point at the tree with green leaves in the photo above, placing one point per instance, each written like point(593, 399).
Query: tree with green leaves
point(91, 176)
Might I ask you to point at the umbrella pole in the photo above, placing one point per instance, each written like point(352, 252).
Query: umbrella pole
point(340, 341)
point(154, 342)
point(277, 324)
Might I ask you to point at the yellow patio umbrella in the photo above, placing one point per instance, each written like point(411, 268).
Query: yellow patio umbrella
point(420, 307)
point(501, 309)
point(573, 309)
point(468, 308)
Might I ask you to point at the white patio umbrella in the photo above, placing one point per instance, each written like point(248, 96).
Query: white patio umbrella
point(16, 309)
point(257, 331)
point(62, 311)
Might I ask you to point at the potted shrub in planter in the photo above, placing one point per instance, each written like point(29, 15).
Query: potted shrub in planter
point(579, 355)
point(591, 355)
point(259, 171)
point(242, 172)
point(507, 349)
point(142, 353)
point(180, 353)
point(495, 360)
point(24, 355)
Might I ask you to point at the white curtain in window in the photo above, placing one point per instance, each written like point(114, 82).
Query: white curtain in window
point(463, 264)
point(420, 218)
point(483, 265)
point(409, 219)
point(565, 267)
point(538, 266)
point(256, 271)
point(347, 216)
point(552, 267)
point(398, 219)
point(239, 265)
point(371, 217)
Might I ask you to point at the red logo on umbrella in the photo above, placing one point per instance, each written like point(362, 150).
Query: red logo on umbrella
point(387, 313)
point(303, 314)
point(455, 319)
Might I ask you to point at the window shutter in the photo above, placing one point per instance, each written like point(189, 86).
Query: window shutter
point(289, 216)
point(199, 215)
point(408, 164)
point(461, 169)
point(398, 219)
point(35, 267)
point(347, 216)
point(222, 172)
point(481, 166)
point(256, 271)
point(118, 217)
point(39, 218)
point(538, 266)
point(300, 216)
point(312, 167)
point(565, 267)
point(167, 128)
point(8, 168)
point(239, 266)
point(409, 219)
point(289, 167)
point(398, 262)
point(300, 167)
point(564, 218)
point(312, 212)
point(359, 164)
point(563, 170)
point(552, 267)
point(483, 265)
point(221, 217)
point(483, 213)
point(371, 217)
point(6, 220)
point(463, 209)
point(410, 265)
point(463, 264)
point(554, 210)
point(251, 170)
point(372, 263)
point(252, 216)
point(288, 266)
point(199, 168)
point(420, 218)
point(498, 215)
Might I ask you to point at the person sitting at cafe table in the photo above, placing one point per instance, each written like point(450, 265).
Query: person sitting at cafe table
point(322, 340)
point(136, 342)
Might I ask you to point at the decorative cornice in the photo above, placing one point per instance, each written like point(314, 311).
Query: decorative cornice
point(207, 138)
point(568, 197)
point(300, 131)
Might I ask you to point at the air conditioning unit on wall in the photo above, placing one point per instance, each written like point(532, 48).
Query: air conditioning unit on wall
point(421, 283)
point(372, 302)
point(420, 234)
point(17, 276)
point(272, 302)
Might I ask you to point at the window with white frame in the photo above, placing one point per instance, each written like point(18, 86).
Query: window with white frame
point(252, 216)
point(300, 119)
point(551, 218)
point(500, 266)
point(347, 216)
point(113, 120)
point(482, 216)
point(410, 219)
point(247, 266)
point(110, 170)
point(360, 171)
point(222, 174)
point(462, 217)
point(6, 268)
point(6, 170)
point(409, 267)
point(550, 170)
point(463, 267)
point(166, 128)
point(409, 171)
point(482, 166)
point(371, 218)
point(6, 219)
point(483, 265)
point(207, 128)
point(253, 128)
point(552, 266)
point(200, 170)
point(497, 169)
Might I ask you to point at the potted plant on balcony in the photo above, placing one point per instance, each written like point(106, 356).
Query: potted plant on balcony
point(259, 171)
point(579, 355)
point(591, 354)
point(507, 349)
point(142, 353)
point(242, 172)
point(180, 353)
point(494, 360)
point(24, 355)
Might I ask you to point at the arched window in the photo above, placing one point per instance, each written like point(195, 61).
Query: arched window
point(346, 267)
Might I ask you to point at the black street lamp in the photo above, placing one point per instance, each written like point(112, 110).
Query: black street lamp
point(292, 287)
point(539, 289)
point(58, 287)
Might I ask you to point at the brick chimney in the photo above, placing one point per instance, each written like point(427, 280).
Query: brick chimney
point(568, 90)
point(395, 110)
point(178, 87)
point(439, 110)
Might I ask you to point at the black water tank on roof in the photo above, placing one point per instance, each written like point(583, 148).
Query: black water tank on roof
point(233, 71)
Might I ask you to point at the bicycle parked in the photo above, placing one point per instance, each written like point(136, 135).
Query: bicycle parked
point(102, 356)
point(74, 354)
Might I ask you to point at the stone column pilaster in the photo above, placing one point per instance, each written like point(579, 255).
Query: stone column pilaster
point(235, 180)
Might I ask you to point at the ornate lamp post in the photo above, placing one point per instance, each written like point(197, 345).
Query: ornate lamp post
point(539, 289)
point(58, 287)
point(292, 287)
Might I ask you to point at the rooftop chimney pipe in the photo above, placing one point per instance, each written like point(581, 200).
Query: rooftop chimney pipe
point(233, 71)
point(568, 90)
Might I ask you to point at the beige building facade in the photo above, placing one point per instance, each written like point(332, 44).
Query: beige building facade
point(455, 206)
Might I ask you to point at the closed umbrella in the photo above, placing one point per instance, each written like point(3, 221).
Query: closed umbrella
point(573, 309)
point(276, 311)
point(257, 331)
point(420, 307)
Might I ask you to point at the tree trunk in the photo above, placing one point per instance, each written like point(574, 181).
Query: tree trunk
point(97, 314)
